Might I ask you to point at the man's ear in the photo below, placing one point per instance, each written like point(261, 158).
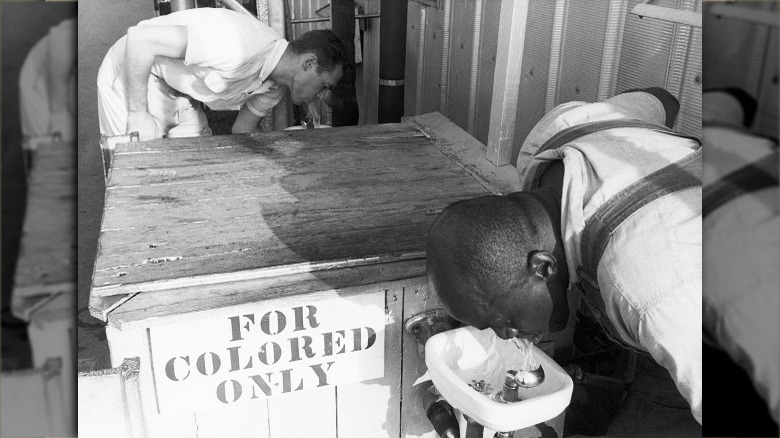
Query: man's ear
point(310, 62)
point(543, 264)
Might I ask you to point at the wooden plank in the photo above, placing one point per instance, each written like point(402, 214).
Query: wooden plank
point(171, 306)
point(415, 44)
point(414, 422)
point(432, 71)
point(352, 235)
point(100, 307)
point(506, 81)
point(370, 64)
point(468, 153)
point(47, 249)
point(459, 63)
point(373, 408)
point(368, 191)
point(135, 343)
point(406, 239)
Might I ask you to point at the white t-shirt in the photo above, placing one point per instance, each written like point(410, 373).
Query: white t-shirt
point(228, 59)
point(650, 273)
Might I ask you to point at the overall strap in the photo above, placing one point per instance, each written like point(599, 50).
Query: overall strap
point(680, 175)
point(753, 177)
point(575, 132)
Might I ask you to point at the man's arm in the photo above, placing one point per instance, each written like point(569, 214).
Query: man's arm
point(246, 121)
point(144, 44)
point(61, 60)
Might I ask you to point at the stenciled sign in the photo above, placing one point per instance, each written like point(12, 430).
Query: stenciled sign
point(269, 350)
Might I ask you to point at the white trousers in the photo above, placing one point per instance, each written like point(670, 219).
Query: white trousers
point(176, 114)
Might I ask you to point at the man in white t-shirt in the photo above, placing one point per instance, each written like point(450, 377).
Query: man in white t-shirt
point(508, 262)
point(47, 84)
point(154, 79)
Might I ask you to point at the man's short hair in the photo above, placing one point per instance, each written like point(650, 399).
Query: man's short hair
point(327, 46)
point(487, 240)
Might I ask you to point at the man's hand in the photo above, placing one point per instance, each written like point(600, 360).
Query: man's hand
point(64, 122)
point(144, 123)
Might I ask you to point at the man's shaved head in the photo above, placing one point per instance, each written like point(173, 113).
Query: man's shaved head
point(479, 255)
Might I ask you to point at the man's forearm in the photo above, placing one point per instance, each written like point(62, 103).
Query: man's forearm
point(138, 66)
point(144, 44)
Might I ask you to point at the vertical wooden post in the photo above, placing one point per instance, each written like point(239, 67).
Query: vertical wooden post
point(610, 59)
point(277, 20)
point(506, 82)
point(559, 18)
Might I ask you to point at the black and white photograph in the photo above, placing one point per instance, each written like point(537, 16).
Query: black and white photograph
point(38, 57)
point(424, 218)
point(741, 294)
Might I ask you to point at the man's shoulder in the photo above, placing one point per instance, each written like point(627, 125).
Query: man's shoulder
point(209, 17)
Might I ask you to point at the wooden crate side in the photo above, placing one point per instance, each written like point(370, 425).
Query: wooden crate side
point(414, 422)
point(311, 413)
point(135, 343)
point(247, 421)
point(373, 408)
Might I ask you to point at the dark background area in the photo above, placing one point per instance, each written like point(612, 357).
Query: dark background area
point(734, 408)
point(23, 25)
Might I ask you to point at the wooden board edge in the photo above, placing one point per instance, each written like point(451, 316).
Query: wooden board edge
point(248, 275)
point(467, 152)
point(115, 321)
point(100, 307)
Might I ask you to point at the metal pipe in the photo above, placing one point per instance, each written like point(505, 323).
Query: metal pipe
point(473, 429)
point(440, 414)
point(323, 19)
point(392, 61)
point(345, 106)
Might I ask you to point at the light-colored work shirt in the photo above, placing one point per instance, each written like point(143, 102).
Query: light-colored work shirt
point(742, 293)
point(228, 60)
point(650, 275)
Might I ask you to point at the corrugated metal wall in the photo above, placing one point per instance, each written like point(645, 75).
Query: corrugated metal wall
point(648, 52)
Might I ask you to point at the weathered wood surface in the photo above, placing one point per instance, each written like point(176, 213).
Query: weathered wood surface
point(210, 208)
point(168, 307)
point(47, 256)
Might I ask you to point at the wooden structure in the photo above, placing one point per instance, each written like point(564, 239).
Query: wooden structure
point(45, 278)
point(109, 401)
point(33, 403)
point(195, 230)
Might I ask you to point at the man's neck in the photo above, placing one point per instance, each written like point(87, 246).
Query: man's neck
point(549, 194)
point(283, 72)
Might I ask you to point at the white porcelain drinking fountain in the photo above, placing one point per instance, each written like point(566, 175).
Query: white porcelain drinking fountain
point(470, 368)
